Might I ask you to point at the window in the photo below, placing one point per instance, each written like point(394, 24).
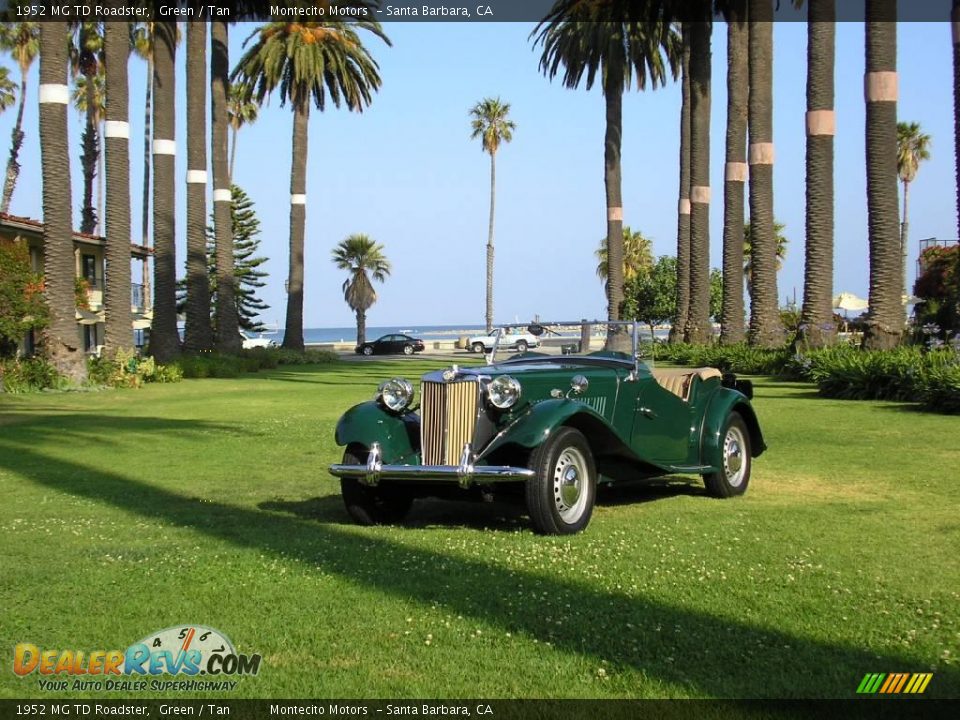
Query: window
point(89, 268)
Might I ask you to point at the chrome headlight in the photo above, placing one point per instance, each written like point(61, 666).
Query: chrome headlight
point(395, 393)
point(503, 392)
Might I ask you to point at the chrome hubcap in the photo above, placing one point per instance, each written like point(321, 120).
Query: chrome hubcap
point(569, 485)
point(734, 462)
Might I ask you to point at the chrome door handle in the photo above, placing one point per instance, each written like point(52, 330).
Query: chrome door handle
point(647, 412)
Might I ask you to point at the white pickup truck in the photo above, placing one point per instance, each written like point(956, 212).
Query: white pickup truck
point(521, 342)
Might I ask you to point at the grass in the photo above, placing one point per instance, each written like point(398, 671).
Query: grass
point(208, 502)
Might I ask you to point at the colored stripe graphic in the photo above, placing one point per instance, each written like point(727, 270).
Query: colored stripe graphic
point(894, 683)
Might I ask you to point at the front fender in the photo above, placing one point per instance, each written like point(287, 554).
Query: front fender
point(367, 423)
point(532, 427)
point(725, 401)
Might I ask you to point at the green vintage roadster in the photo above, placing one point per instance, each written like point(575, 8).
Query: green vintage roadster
point(547, 428)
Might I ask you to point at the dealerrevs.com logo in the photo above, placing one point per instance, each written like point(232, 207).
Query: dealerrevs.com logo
point(190, 650)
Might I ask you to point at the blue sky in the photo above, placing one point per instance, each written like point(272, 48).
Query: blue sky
point(406, 173)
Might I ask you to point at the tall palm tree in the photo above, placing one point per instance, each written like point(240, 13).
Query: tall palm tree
point(362, 258)
point(595, 40)
point(198, 332)
point(117, 331)
point(698, 328)
point(817, 328)
point(308, 61)
point(227, 319)
point(240, 111)
point(22, 41)
point(735, 171)
point(637, 255)
point(86, 61)
point(62, 338)
point(683, 210)
point(747, 254)
point(885, 318)
point(955, 23)
point(913, 147)
point(766, 329)
point(8, 90)
point(491, 123)
point(164, 339)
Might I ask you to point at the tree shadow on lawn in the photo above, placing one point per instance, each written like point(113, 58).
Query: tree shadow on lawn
point(667, 643)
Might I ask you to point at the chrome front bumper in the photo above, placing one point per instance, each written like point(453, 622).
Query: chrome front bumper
point(465, 473)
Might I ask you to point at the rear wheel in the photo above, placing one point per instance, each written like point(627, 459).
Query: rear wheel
point(734, 473)
point(478, 347)
point(522, 346)
point(381, 505)
point(408, 349)
point(560, 497)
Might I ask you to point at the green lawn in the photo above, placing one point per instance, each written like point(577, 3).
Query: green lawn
point(207, 501)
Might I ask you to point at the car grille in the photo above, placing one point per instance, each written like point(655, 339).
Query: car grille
point(448, 418)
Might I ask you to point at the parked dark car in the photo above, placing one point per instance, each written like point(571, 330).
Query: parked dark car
point(389, 344)
point(547, 429)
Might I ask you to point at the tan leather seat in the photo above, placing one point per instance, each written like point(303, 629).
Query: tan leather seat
point(680, 380)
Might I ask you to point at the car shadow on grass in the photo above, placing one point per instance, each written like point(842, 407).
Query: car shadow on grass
point(620, 628)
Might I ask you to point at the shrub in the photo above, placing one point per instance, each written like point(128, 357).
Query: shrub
point(941, 392)
point(29, 375)
point(126, 369)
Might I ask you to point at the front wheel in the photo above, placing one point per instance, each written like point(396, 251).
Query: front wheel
point(734, 473)
point(522, 346)
point(560, 497)
point(478, 347)
point(381, 505)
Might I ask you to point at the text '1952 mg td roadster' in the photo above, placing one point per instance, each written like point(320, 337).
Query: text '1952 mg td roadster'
point(545, 427)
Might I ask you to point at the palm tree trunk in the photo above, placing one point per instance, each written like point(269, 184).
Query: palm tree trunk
point(233, 151)
point(885, 317)
point(766, 330)
point(61, 339)
point(101, 179)
point(955, 24)
point(164, 339)
point(698, 329)
point(118, 333)
point(16, 141)
point(904, 234)
point(817, 328)
point(145, 204)
point(89, 159)
point(735, 174)
point(293, 335)
point(227, 318)
point(683, 211)
point(493, 195)
point(613, 95)
point(361, 326)
point(198, 335)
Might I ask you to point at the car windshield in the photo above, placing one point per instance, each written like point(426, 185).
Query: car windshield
point(586, 339)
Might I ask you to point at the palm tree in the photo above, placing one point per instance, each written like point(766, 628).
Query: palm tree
point(306, 61)
point(885, 319)
point(116, 45)
point(698, 328)
point(817, 328)
point(683, 210)
point(8, 90)
point(360, 255)
point(61, 339)
point(164, 339)
point(735, 172)
point(198, 333)
point(86, 61)
point(637, 255)
point(913, 147)
point(748, 238)
point(227, 320)
point(593, 39)
point(766, 329)
point(955, 20)
point(22, 41)
point(492, 125)
point(240, 111)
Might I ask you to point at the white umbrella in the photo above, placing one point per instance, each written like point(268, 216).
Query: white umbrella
point(849, 301)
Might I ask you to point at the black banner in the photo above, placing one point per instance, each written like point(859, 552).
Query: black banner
point(424, 10)
point(483, 709)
